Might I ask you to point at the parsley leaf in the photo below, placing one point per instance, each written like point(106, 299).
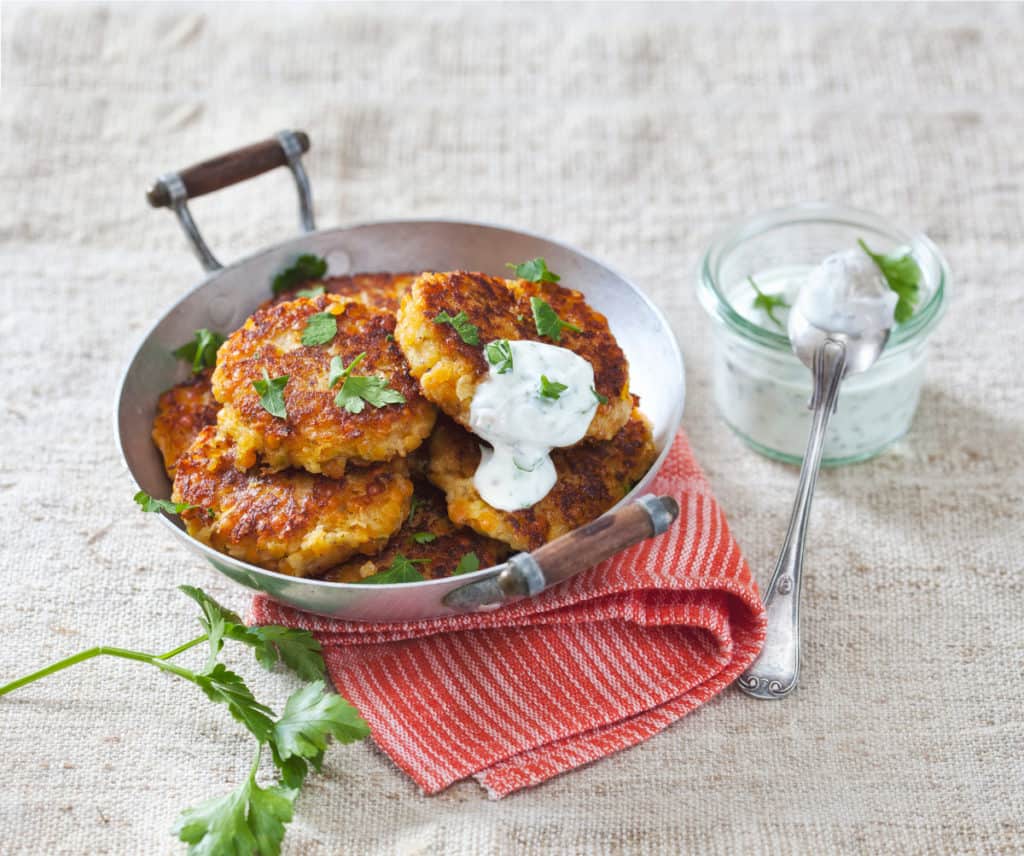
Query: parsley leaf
point(401, 570)
point(358, 389)
point(535, 270)
point(499, 353)
point(903, 275)
point(768, 302)
point(547, 320)
point(271, 393)
point(310, 293)
point(148, 503)
point(551, 388)
point(216, 620)
point(305, 268)
point(423, 537)
point(601, 399)
point(202, 350)
point(248, 820)
point(467, 564)
point(320, 329)
point(467, 332)
point(273, 644)
point(224, 686)
point(311, 715)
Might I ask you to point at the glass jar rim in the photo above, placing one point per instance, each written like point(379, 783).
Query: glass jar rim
point(729, 238)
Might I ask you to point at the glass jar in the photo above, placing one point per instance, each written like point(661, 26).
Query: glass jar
point(761, 389)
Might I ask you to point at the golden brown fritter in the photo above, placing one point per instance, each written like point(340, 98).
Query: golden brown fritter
point(380, 290)
point(442, 554)
point(592, 477)
point(317, 434)
point(449, 369)
point(181, 413)
point(291, 521)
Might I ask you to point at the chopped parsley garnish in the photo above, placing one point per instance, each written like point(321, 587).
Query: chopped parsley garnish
point(202, 350)
point(305, 268)
point(903, 275)
point(413, 505)
point(467, 564)
point(601, 399)
point(148, 503)
point(499, 353)
point(535, 270)
point(310, 293)
point(271, 393)
point(768, 302)
point(547, 320)
point(424, 537)
point(320, 329)
point(401, 570)
point(358, 390)
point(551, 388)
point(467, 331)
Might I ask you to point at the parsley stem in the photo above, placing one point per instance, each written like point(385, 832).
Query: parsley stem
point(105, 650)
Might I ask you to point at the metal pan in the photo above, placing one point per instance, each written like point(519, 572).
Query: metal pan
point(229, 294)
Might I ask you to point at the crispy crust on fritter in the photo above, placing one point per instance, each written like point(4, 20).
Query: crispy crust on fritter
point(442, 554)
point(592, 477)
point(317, 435)
point(181, 413)
point(380, 290)
point(449, 370)
point(291, 522)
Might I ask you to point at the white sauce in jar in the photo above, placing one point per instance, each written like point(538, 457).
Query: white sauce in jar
point(523, 426)
point(847, 293)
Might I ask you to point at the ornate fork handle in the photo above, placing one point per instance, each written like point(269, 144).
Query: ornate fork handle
point(775, 672)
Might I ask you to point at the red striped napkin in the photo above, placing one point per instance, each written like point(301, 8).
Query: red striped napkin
point(598, 664)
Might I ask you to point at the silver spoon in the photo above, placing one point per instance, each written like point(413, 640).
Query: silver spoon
point(830, 356)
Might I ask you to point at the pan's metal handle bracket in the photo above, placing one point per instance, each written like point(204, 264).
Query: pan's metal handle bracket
point(521, 577)
point(175, 189)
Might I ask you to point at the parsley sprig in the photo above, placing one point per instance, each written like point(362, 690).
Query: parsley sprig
point(467, 332)
point(358, 390)
point(547, 320)
point(153, 505)
point(305, 268)
point(401, 570)
point(768, 302)
point(535, 270)
point(251, 818)
point(320, 329)
point(202, 350)
point(903, 274)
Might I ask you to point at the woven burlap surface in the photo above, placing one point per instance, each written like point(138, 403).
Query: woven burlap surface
point(632, 132)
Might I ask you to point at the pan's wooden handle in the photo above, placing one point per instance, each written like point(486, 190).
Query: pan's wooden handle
point(526, 574)
point(227, 169)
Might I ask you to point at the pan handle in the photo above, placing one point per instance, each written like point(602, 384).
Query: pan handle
point(174, 189)
point(526, 574)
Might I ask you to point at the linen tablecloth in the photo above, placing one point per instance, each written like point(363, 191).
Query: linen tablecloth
point(632, 132)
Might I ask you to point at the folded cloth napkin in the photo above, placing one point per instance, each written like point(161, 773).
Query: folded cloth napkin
point(597, 664)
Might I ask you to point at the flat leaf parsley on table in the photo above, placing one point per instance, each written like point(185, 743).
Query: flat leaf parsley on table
point(251, 819)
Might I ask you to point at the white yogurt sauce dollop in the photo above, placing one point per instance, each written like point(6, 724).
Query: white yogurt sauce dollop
point(523, 426)
point(847, 293)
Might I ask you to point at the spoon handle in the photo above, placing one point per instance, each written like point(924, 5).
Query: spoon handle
point(775, 672)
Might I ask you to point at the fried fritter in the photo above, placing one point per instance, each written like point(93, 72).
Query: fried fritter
point(449, 369)
point(181, 413)
point(451, 543)
point(291, 522)
point(592, 477)
point(380, 290)
point(317, 434)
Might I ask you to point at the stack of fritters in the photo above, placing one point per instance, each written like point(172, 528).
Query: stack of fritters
point(328, 492)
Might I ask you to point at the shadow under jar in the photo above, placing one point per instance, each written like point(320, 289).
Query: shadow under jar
point(761, 389)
